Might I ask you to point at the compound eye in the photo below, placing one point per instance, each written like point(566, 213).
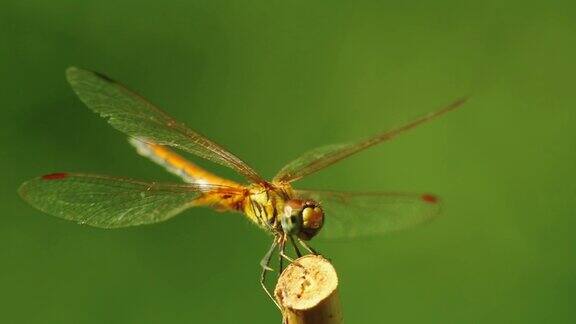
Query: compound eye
point(312, 217)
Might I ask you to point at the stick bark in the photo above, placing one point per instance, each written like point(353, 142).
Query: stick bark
point(307, 290)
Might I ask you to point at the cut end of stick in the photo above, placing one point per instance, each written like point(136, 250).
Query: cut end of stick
point(308, 291)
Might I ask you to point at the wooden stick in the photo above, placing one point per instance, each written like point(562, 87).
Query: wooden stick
point(307, 290)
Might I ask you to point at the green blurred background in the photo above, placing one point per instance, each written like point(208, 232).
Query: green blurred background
point(269, 80)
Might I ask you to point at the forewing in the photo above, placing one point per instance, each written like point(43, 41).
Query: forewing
point(348, 214)
point(109, 202)
point(324, 156)
point(130, 113)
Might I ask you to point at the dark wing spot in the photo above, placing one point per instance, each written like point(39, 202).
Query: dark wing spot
point(55, 176)
point(104, 76)
point(431, 199)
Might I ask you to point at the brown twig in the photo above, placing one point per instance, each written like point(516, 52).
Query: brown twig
point(307, 290)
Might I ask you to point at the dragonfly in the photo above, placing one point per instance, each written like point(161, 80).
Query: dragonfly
point(292, 216)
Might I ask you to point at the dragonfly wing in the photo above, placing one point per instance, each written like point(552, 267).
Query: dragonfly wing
point(349, 214)
point(109, 202)
point(322, 157)
point(130, 113)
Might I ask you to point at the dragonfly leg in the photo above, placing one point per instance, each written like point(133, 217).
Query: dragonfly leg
point(295, 246)
point(307, 247)
point(283, 254)
point(265, 264)
point(283, 248)
point(280, 265)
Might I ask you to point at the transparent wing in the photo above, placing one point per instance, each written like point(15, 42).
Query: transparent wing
point(349, 214)
point(324, 156)
point(109, 202)
point(133, 115)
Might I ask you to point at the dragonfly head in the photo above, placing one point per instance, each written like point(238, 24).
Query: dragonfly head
point(302, 218)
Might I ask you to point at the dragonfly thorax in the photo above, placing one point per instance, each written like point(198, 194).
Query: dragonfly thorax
point(264, 205)
point(302, 218)
point(274, 208)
